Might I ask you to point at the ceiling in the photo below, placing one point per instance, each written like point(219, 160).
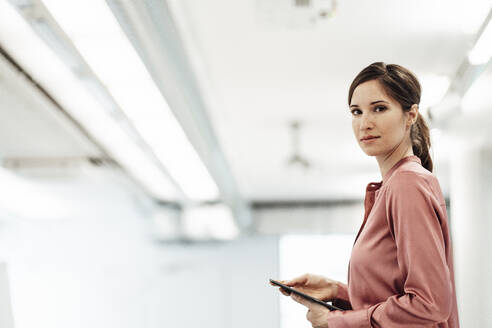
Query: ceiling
point(262, 64)
point(32, 127)
point(267, 63)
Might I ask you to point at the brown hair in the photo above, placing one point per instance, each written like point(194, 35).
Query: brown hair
point(401, 85)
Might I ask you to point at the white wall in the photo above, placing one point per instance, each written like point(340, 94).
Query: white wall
point(219, 286)
point(329, 256)
point(471, 209)
point(99, 267)
point(6, 319)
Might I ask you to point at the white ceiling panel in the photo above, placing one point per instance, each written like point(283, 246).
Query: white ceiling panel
point(265, 69)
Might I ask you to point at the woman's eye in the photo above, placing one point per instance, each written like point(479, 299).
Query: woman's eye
point(377, 109)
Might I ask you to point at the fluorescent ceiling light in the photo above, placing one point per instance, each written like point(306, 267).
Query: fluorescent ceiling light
point(97, 35)
point(59, 81)
point(50, 37)
point(434, 87)
point(476, 12)
point(482, 51)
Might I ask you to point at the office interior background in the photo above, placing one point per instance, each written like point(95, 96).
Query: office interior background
point(161, 160)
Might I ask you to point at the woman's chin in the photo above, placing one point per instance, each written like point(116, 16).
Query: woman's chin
point(370, 152)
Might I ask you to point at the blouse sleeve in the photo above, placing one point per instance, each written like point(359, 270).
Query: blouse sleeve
point(342, 299)
point(414, 216)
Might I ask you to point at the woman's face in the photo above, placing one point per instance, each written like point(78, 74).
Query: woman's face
point(376, 114)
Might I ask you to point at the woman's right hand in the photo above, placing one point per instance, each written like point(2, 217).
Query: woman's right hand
point(313, 285)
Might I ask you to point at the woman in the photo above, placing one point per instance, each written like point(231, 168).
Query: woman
point(401, 268)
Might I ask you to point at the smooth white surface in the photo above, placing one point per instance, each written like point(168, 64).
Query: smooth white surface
point(6, 318)
point(209, 222)
point(482, 51)
point(264, 73)
point(326, 255)
point(471, 210)
point(478, 99)
point(16, 191)
point(102, 268)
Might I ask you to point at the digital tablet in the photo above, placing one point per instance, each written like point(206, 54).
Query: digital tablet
point(312, 299)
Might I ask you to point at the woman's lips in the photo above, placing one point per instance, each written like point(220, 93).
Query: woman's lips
point(369, 140)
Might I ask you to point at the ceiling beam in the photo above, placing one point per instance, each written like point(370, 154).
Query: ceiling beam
point(158, 38)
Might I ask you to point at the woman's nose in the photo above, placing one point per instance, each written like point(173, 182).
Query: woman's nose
point(366, 122)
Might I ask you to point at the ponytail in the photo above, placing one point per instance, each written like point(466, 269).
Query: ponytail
point(420, 137)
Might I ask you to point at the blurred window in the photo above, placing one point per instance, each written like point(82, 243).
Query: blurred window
point(326, 255)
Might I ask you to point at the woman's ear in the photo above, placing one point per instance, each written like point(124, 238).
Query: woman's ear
point(413, 114)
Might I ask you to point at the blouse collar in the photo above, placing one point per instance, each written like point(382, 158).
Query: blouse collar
point(373, 186)
point(411, 158)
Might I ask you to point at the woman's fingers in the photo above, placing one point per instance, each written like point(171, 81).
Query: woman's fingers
point(281, 281)
point(301, 300)
point(301, 280)
point(286, 293)
point(283, 291)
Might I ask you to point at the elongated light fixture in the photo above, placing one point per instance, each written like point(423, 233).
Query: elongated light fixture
point(98, 37)
point(482, 51)
point(58, 80)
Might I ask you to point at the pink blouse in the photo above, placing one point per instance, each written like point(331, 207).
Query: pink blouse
point(401, 267)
